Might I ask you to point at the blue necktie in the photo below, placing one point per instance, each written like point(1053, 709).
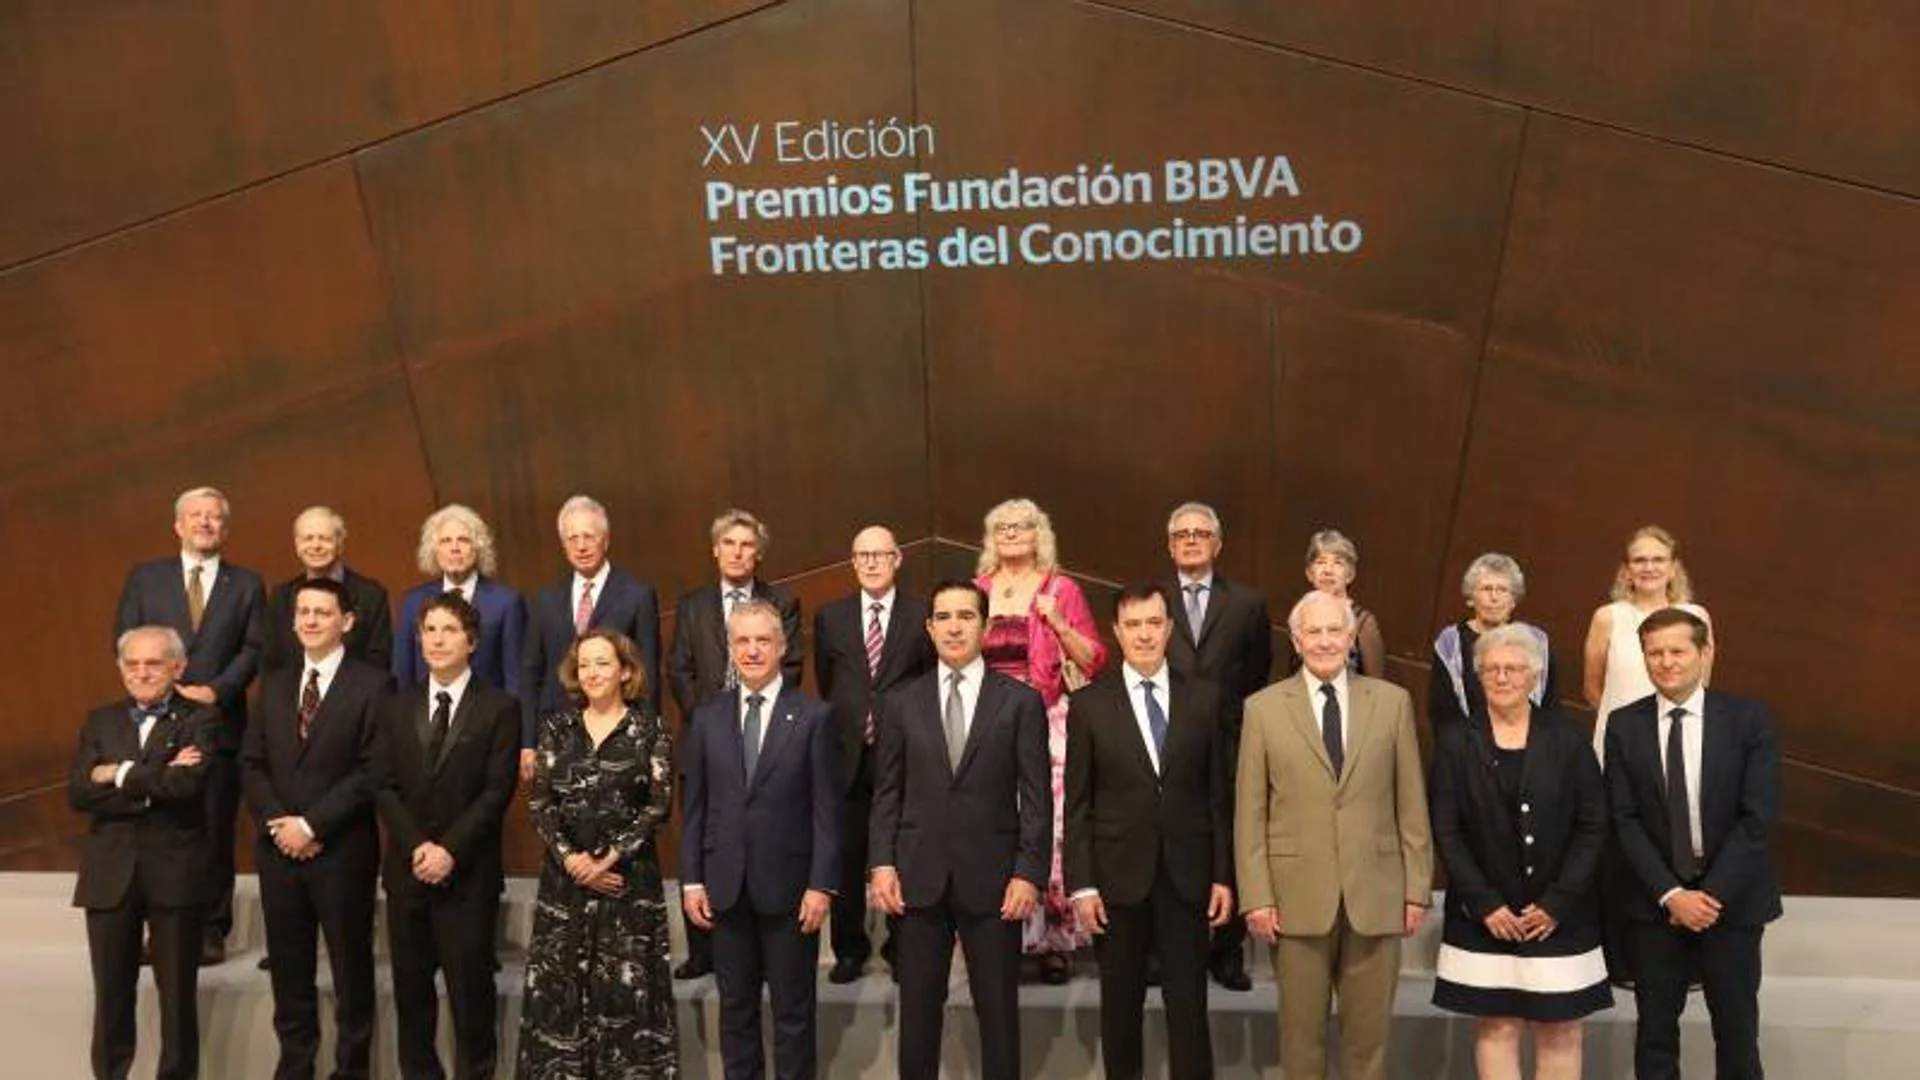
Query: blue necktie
point(1156, 722)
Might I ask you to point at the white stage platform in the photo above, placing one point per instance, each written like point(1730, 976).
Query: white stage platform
point(1841, 1001)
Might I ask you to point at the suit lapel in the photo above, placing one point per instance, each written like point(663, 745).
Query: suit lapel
point(1121, 708)
point(1362, 727)
point(1716, 755)
point(892, 643)
point(1216, 608)
point(986, 711)
point(781, 719)
point(461, 728)
point(1307, 724)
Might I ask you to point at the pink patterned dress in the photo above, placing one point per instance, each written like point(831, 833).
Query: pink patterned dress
point(1025, 648)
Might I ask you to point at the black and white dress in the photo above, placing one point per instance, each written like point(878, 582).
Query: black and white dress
point(1514, 828)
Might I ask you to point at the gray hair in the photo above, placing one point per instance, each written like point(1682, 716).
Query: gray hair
point(171, 645)
point(1333, 542)
point(465, 515)
point(737, 518)
point(339, 523)
point(1511, 636)
point(582, 504)
point(754, 605)
point(1347, 619)
point(1493, 564)
point(1205, 511)
point(180, 500)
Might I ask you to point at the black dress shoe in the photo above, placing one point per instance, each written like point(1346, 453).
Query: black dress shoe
point(693, 968)
point(846, 969)
point(1231, 973)
point(213, 952)
point(265, 963)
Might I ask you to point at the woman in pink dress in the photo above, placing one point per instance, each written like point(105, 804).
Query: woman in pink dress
point(1040, 631)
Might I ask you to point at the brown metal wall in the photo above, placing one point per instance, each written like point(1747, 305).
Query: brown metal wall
point(1627, 263)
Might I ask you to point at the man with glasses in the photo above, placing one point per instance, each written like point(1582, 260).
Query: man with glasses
point(866, 645)
point(1222, 634)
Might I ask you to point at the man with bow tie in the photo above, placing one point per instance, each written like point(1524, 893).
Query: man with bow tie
point(308, 769)
point(217, 609)
point(760, 855)
point(139, 774)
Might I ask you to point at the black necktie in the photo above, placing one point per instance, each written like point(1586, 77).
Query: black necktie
point(437, 727)
point(1330, 730)
point(1679, 815)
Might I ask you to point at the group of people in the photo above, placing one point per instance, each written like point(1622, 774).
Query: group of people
point(976, 767)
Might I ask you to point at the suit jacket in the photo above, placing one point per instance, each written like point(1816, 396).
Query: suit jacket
point(1307, 841)
point(456, 800)
point(1739, 803)
point(1549, 852)
point(370, 640)
point(330, 778)
point(225, 654)
point(768, 838)
point(503, 623)
point(625, 603)
point(963, 831)
point(840, 663)
point(1123, 818)
point(1235, 649)
point(154, 821)
point(697, 665)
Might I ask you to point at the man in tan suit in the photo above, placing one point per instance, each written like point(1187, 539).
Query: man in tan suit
point(1332, 843)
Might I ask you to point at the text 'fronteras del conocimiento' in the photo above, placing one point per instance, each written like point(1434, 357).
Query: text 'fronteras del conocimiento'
point(741, 215)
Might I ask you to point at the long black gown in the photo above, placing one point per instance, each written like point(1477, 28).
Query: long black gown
point(599, 996)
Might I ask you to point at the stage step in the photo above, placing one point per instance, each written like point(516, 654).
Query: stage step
point(1840, 1000)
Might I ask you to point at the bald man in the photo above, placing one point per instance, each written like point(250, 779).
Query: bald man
point(320, 543)
point(866, 645)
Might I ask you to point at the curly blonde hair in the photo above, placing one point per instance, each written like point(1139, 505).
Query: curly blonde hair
point(1046, 551)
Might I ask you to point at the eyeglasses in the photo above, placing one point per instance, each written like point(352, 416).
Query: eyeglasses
point(1506, 671)
point(1184, 535)
point(874, 558)
point(1014, 528)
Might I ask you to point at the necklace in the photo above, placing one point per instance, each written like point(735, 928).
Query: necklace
point(1007, 589)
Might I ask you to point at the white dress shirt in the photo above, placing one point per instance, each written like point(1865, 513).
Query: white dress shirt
point(1138, 699)
point(598, 581)
point(1691, 736)
point(456, 690)
point(209, 570)
point(1318, 702)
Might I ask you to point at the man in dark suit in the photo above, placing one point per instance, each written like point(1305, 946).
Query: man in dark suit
point(1694, 780)
point(698, 666)
point(760, 855)
point(309, 772)
point(1222, 633)
point(1149, 836)
point(320, 543)
point(865, 647)
point(596, 593)
point(217, 608)
point(962, 838)
point(138, 773)
point(456, 547)
point(447, 753)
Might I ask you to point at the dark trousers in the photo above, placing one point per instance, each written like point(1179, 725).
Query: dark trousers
point(751, 950)
point(1175, 931)
point(1727, 960)
point(925, 954)
point(303, 901)
point(113, 944)
point(452, 933)
point(222, 793)
point(849, 918)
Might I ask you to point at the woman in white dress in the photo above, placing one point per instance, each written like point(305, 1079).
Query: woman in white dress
point(1651, 577)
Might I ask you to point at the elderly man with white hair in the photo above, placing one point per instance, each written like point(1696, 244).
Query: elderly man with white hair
point(456, 548)
point(218, 609)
